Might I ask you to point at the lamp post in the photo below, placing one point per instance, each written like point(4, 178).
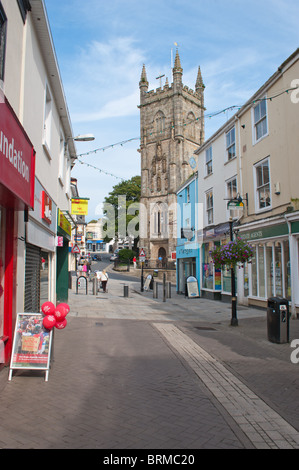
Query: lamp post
point(234, 320)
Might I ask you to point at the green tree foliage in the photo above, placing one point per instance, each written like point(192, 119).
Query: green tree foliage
point(125, 255)
point(124, 199)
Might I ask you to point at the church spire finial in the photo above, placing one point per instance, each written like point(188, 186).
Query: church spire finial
point(143, 79)
point(199, 83)
point(177, 63)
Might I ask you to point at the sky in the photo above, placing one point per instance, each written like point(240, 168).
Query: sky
point(102, 45)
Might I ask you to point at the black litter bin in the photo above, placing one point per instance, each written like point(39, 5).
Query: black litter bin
point(278, 320)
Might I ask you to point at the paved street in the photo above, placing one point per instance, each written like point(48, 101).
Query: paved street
point(139, 373)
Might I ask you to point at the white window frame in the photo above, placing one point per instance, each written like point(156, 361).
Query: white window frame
point(209, 208)
point(230, 144)
point(228, 195)
point(208, 161)
point(258, 189)
point(47, 121)
point(258, 120)
point(61, 169)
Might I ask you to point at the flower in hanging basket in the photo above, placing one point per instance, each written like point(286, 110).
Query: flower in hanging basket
point(232, 253)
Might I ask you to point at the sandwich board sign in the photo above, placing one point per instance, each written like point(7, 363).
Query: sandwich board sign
point(192, 287)
point(31, 345)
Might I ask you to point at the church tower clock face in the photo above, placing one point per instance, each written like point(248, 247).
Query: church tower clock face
point(171, 129)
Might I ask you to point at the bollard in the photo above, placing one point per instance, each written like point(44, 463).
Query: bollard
point(164, 287)
point(126, 291)
point(169, 290)
point(155, 290)
point(94, 286)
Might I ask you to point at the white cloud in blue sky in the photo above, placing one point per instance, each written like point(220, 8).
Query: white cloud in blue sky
point(102, 45)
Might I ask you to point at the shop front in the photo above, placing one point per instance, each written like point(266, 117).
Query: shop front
point(270, 272)
point(188, 264)
point(40, 248)
point(17, 179)
point(64, 235)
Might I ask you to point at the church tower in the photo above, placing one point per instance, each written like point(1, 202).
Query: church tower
point(171, 129)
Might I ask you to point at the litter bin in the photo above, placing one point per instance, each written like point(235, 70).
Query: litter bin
point(278, 320)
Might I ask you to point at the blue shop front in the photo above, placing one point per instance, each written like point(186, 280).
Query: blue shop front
point(188, 264)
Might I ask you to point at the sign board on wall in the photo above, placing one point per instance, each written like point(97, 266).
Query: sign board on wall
point(79, 206)
point(46, 207)
point(31, 345)
point(17, 156)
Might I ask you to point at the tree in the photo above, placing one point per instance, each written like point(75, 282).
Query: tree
point(121, 208)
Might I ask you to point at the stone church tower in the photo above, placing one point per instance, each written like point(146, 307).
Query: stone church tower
point(171, 128)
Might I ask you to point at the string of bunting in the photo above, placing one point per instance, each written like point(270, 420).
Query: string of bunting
point(209, 115)
point(99, 169)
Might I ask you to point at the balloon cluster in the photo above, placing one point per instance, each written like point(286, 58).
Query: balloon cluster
point(55, 316)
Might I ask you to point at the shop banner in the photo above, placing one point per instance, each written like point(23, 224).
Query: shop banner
point(79, 206)
point(32, 343)
point(17, 157)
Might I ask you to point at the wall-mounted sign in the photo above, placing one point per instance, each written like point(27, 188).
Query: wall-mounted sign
point(46, 207)
point(59, 241)
point(79, 206)
point(64, 224)
point(17, 157)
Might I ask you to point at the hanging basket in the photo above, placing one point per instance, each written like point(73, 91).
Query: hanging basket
point(233, 253)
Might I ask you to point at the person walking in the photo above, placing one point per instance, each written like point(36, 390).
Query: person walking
point(85, 268)
point(104, 279)
point(134, 262)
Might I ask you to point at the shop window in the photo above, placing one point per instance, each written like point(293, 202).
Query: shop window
point(261, 272)
point(207, 271)
point(278, 269)
point(253, 275)
point(3, 26)
point(44, 278)
point(269, 269)
point(287, 269)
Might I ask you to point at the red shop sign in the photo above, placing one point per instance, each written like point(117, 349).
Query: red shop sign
point(17, 157)
point(46, 207)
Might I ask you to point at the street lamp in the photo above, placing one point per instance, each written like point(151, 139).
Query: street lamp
point(234, 320)
point(83, 138)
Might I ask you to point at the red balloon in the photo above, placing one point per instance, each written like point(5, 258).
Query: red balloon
point(66, 306)
point(49, 321)
point(60, 312)
point(61, 324)
point(48, 308)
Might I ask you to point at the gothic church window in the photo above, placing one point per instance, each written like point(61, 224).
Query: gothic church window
point(160, 122)
point(190, 125)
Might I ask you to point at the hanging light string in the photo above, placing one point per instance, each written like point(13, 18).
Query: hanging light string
point(208, 115)
point(100, 170)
